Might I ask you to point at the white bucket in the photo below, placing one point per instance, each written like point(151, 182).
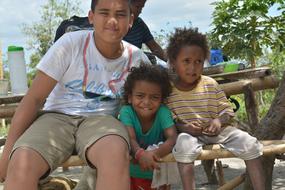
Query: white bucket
point(17, 68)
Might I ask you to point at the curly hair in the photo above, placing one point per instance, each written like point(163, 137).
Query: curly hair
point(186, 37)
point(150, 73)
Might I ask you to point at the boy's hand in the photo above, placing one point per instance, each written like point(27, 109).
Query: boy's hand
point(3, 170)
point(214, 128)
point(149, 161)
point(194, 128)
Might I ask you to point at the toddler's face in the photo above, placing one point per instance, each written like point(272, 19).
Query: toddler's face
point(145, 99)
point(189, 66)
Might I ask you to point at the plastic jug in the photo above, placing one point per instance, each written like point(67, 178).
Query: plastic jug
point(216, 56)
point(17, 68)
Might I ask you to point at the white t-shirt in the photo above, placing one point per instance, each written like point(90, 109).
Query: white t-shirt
point(64, 63)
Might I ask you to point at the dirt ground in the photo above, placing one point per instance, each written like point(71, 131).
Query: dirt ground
point(236, 167)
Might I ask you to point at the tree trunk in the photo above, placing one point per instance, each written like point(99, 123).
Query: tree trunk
point(272, 127)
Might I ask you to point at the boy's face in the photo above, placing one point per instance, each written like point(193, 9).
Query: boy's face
point(189, 66)
point(145, 99)
point(111, 20)
point(137, 7)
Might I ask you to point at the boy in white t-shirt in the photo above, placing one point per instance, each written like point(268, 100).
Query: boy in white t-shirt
point(80, 80)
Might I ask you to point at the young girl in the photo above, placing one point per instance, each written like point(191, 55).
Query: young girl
point(206, 115)
point(148, 121)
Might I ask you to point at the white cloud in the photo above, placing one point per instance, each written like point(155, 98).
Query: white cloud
point(158, 14)
point(14, 14)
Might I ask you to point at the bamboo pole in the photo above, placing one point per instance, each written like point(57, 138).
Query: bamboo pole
point(233, 88)
point(270, 147)
point(208, 153)
point(233, 183)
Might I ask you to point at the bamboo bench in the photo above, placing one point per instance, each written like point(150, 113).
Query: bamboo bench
point(210, 152)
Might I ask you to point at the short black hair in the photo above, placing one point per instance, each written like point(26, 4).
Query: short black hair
point(186, 37)
point(94, 3)
point(134, 1)
point(150, 73)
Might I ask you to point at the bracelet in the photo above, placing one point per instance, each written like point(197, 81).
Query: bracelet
point(139, 153)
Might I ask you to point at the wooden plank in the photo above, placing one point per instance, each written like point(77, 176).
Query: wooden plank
point(7, 111)
point(233, 88)
point(10, 99)
point(244, 74)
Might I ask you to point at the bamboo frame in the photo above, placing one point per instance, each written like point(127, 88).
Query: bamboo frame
point(208, 153)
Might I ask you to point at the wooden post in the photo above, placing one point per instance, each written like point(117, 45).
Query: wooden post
point(1, 63)
point(209, 168)
point(220, 172)
point(251, 106)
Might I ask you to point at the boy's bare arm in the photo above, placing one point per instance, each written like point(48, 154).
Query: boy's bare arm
point(156, 50)
point(133, 141)
point(25, 114)
point(144, 158)
point(165, 148)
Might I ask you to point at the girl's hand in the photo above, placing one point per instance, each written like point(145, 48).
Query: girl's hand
point(149, 161)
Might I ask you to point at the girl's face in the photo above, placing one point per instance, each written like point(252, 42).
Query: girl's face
point(145, 99)
point(189, 66)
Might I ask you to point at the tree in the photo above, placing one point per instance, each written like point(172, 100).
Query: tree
point(271, 127)
point(41, 33)
point(242, 28)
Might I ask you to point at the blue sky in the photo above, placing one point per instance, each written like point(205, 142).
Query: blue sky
point(158, 14)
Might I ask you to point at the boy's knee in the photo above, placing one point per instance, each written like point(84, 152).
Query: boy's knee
point(27, 163)
point(186, 149)
point(111, 146)
point(251, 148)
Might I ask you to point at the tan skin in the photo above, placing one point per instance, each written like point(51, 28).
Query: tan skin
point(112, 18)
point(189, 67)
point(146, 99)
